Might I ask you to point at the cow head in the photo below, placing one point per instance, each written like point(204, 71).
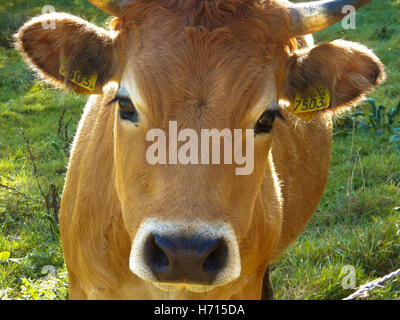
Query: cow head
point(199, 64)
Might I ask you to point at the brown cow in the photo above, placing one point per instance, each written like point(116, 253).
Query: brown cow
point(131, 229)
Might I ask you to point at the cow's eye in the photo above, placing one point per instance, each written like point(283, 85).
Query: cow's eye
point(127, 110)
point(265, 122)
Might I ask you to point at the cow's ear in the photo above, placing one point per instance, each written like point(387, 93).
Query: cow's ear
point(347, 69)
point(85, 51)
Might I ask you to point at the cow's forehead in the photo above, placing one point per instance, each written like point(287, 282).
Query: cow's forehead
point(199, 73)
point(215, 62)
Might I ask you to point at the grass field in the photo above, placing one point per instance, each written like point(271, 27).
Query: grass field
point(357, 223)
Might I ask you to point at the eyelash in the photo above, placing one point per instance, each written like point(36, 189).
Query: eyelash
point(130, 115)
point(269, 117)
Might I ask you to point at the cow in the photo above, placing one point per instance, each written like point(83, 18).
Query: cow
point(132, 229)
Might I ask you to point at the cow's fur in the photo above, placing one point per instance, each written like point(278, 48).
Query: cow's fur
point(206, 64)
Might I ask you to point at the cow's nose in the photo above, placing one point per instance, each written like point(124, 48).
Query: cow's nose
point(193, 260)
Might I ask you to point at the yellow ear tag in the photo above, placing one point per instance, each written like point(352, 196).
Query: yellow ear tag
point(308, 104)
point(77, 77)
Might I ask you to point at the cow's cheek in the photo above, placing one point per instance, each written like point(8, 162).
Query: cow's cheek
point(247, 190)
point(133, 174)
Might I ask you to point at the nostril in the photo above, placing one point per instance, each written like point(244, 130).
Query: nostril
point(155, 257)
point(217, 258)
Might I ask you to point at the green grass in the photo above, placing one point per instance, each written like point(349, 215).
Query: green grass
point(357, 223)
point(360, 228)
point(29, 108)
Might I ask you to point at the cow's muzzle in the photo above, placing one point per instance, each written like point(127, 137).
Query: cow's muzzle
point(185, 254)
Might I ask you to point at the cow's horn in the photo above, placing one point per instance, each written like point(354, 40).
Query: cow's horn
point(113, 7)
point(310, 17)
